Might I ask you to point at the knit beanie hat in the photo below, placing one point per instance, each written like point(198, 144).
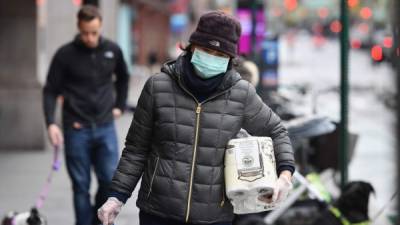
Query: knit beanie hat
point(218, 31)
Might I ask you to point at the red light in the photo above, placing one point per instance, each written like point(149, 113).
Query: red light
point(318, 40)
point(77, 2)
point(352, 3)
point(363, 27)
point(317, 28)
point(356, 44)
point(39, 2)
point(388, 42)
point(323, 12)
point(290, 5)
point(336, 26)
point(365, 13)
point(376, 53)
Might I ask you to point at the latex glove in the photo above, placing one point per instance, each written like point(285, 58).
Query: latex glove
point(282, 187)
point(109, 211)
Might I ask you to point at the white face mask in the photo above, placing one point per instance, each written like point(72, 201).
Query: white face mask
point(208, 65)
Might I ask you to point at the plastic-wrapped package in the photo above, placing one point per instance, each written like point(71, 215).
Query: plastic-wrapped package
point(250, 171)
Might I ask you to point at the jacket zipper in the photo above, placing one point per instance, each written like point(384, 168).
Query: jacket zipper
point(152, 177)
point(198, 111)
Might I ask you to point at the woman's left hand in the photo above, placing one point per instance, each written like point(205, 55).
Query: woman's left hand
point(282, 187)
point(281, 190)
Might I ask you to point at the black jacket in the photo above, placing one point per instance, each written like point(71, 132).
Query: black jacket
point(84, 77)
point(177, 145)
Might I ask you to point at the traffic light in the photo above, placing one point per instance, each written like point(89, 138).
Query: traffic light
point(352, 3)
point(336, 26)
point(77, 2)
point(290, 5)
point(376, 53)
point(365, 13)
point(323, 12)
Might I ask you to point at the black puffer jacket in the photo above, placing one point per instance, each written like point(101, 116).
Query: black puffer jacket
point(178, 145)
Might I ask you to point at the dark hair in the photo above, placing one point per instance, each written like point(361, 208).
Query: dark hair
point(244, 72)
point(88, 13)
point(185, 48)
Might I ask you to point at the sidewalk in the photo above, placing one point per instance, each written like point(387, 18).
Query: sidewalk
point(23, 175)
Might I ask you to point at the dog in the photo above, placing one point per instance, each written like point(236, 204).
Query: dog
point(32, 217)
point(352, 205)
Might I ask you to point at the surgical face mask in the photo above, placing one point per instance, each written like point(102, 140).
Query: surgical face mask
point(207, 65)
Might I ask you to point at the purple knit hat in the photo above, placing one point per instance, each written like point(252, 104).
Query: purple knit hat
point(219, 31)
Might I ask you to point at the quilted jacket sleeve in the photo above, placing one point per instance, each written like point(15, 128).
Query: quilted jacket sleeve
point(260, 120)
point(137, 144)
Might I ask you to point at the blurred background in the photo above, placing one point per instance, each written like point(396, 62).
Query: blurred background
point(313, 65)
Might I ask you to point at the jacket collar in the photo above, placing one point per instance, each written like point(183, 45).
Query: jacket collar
point(78, 42)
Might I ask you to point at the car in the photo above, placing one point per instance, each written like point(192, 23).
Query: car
point(382, 45)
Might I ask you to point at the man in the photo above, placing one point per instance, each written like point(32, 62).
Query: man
point(82, 73)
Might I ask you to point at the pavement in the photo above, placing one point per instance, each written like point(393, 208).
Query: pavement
point(23, 173)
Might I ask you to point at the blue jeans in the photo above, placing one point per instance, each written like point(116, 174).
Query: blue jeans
point(148, 219)
point(86, 147)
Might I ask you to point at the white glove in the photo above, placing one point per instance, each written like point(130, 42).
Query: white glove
point(282, 187)
point(109, 211)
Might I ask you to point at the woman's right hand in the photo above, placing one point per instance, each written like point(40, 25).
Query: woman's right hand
point(109, 211)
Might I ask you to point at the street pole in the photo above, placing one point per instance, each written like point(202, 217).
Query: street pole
point(344, 87)
point(396, 58)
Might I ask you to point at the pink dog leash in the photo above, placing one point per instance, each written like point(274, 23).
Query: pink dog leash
point(45, 190)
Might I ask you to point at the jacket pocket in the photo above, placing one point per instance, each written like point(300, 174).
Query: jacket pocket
point(153, 176)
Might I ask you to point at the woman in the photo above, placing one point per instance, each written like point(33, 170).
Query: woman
point(185, 116)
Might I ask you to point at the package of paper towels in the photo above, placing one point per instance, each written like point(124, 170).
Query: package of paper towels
point(250, 171)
